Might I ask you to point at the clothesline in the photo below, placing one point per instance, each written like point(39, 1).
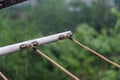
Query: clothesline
point(3, 76)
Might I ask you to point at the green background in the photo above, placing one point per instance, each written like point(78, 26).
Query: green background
point(96, 23)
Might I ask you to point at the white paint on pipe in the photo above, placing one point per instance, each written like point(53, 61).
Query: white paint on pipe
point(40, 41)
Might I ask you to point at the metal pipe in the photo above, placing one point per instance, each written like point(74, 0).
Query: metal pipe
point(40, 41)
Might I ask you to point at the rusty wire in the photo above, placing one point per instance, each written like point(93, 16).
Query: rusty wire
point(3, 76)
point(96, 53)
point(55, 63)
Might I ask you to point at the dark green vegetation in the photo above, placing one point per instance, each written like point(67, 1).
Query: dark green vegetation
point(96, 24)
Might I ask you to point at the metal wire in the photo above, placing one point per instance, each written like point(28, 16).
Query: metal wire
point(56, 64)
point(96, 53)
point(3, 76)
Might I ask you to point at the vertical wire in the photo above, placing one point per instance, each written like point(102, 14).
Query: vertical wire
point(26, 68)
point(28, 30)
point(27, 37)
point(16, 72)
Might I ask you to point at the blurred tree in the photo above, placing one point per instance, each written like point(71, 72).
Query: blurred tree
point(24, 22)
point(117, 4)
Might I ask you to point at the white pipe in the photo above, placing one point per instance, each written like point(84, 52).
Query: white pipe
point(16, 47)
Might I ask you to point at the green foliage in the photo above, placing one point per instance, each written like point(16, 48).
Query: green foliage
point(96, 25)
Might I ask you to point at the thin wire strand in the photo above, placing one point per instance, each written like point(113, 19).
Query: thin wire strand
point(56, 64)
point(3, 76)
point(96, 53)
